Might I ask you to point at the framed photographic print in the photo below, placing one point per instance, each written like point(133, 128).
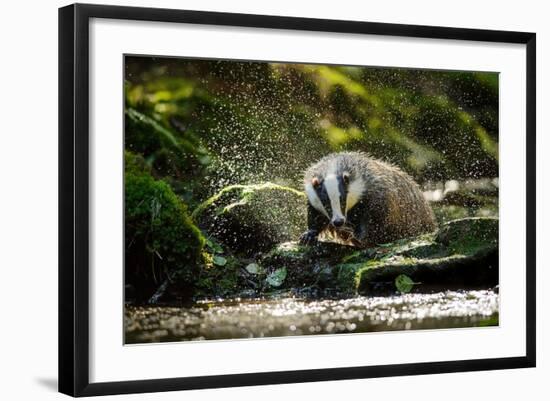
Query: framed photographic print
point(249, 199)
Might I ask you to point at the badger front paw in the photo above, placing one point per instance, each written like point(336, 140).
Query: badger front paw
point(309, 237)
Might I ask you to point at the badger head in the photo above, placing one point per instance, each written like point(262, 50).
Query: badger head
point(334, 195)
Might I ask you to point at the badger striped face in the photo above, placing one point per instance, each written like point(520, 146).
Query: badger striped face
point(330, 196)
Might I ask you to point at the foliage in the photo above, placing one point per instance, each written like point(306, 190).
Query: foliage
point(170, 156)
point(219, 276)
point(253, 268)
point(247, 116)
point(276, 277)
point(161, 240)
point(219, 260)
point(404, 284)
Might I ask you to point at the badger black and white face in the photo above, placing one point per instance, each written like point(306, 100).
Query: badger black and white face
point(334, 195)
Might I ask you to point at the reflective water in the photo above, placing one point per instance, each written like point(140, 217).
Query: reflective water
point(236, 318)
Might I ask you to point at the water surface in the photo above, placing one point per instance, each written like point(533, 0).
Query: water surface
point(286, 316)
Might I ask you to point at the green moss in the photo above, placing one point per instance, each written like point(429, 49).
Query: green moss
point(245, 193)
point(347, 277)
point(253, 218)
point(452, 256)
point(160, 237)
point(468, 236)
point(463, 253)
point(135, 164)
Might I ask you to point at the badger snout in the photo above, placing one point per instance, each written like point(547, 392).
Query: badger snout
point(338, 221)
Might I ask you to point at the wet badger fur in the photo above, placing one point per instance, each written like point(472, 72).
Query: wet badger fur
point(363, 201)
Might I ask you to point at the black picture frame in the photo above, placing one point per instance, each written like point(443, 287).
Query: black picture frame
point(74, 198)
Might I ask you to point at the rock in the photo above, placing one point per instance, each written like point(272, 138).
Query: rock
point(306, 265)
point(453, 200)
point(462, 254)
point(253, 218)
point(161, 241)
point(468, 235)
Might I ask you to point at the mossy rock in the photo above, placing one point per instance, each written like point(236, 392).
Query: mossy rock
point(445, 212)
point(307, 266)
point(253, 218)
point(462, 254)
point(469, 235)
point(473, 198)
point(161, 240)
point(440, 273)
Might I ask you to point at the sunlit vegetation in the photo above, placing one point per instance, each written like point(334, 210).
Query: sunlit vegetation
point(221, 123)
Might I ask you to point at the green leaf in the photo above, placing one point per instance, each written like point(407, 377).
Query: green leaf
point(214, 246)
point(277, 277)
point(253, 268)
point(219, 260)
point(404, 284)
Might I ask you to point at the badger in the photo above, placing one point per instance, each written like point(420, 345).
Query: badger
point(363, 201)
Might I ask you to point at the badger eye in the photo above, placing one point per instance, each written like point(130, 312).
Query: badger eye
point(315, 182)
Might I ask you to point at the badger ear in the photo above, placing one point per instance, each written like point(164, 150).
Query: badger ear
point(315, 182)
point(345, 177)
